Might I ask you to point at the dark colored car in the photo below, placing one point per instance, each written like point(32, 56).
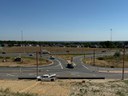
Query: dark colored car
point(3, 52)
point(30, 54)
point(70, 66)
point(17, 59)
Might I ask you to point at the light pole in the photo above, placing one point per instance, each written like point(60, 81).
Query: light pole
point(37, 63)
point(111, 34)
point(23, 47)
point(94, 57)
point(22, 35)
point(123, 63)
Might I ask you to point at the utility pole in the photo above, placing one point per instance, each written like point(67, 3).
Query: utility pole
point(111, 34)
point(94, 57)
point(37, 63)
point(23, 47)
point(40, 50)
point(123, 63)
point(22, 39)
point(84, 55)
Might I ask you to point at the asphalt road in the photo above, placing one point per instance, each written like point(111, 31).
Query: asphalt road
point(58, 67)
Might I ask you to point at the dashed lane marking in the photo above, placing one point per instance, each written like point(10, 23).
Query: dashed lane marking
point(10, 75)
point(85, 66)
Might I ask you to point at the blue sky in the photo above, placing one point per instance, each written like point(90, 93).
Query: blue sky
point(64, 20)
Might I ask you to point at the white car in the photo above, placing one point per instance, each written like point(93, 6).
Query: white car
point(47, 77)
point(45, 52)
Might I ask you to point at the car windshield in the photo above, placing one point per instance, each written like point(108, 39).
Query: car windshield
point(44, 76)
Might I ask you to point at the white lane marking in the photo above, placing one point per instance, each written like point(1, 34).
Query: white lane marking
point(10, 74)
point(30, 74)
point(60, 64)
point(74, 64)
point(85, 66)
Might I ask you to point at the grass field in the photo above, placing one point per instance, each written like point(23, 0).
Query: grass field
point(64, 88)
point(107, 61)
point(51, 49)
point(68, 54)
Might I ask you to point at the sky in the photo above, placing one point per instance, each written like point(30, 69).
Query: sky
point(64, 20)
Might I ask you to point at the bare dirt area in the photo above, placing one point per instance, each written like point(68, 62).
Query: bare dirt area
point(58, 88)
point(68, 87)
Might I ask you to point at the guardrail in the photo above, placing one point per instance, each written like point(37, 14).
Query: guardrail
point(32, 78)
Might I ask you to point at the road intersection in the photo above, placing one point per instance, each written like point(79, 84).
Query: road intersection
point(58, 67)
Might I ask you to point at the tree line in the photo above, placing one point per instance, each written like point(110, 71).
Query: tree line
point(89, 44)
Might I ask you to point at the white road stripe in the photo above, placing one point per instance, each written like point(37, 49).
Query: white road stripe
point(85, 66)
point(74, 64)
point(31, 74)
point(60, 64)
point(10, 75)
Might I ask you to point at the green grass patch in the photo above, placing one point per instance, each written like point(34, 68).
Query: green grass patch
point(2, 57)
point(126, 82)
point(120, 93)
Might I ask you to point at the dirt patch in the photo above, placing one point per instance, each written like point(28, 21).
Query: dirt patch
point(58, 88)
point(66, 56)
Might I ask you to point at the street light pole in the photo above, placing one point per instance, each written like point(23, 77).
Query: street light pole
point(111, 35)
point(37, 68)
point(123, 63)
point(94, 57)
point(23, 47)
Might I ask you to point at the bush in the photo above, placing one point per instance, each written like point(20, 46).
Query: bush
point(117, 54)
point(100, 58)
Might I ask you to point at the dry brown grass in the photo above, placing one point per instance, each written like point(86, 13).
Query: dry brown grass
point(106, 63)
point(66, 56)
point(68, 87)
point(26, 62)
point(51, 49)
point(58, 88)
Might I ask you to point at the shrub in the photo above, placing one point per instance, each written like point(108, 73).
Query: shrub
point(100, 58)
point(117, 54)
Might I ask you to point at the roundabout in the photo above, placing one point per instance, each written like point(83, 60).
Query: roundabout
point(58, 66)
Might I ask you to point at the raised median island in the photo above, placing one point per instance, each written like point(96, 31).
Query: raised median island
point(21, 61)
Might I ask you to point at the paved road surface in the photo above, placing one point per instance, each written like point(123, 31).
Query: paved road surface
point(58, 67)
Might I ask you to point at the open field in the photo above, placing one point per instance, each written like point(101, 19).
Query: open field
point(67, 54)
point(66, 87)
point(107, 61)
point(68, 50)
